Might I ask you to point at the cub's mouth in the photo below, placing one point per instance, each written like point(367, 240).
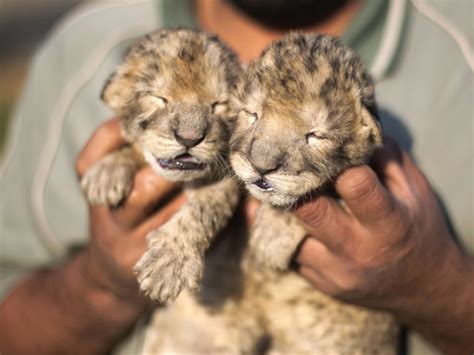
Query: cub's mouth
point(182, 162)
point(263, 185)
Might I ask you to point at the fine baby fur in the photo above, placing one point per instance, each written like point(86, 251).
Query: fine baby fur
point(305, 111)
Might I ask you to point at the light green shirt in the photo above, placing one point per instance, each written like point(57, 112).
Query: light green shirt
point(425, 90)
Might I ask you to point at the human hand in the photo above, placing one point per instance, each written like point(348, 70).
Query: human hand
point(118, 236)
point(388, 246)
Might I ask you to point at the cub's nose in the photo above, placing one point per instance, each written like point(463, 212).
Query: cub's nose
point(265, 157)
point(266, 168)
point(189, 139)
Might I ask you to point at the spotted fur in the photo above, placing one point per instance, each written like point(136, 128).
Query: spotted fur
point(250, 303)
point(171, 94)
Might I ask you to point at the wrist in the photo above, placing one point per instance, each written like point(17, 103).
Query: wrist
point(79, 315)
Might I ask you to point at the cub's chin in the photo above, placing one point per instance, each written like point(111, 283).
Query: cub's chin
point(181, 175)
point(272, 196)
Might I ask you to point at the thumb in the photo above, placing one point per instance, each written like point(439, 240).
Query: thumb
point(325, 220)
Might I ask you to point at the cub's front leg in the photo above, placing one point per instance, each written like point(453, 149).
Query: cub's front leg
point(110, 180)
point(274, 238)
point(175, 258)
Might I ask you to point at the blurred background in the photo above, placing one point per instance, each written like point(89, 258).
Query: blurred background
point(23, 25)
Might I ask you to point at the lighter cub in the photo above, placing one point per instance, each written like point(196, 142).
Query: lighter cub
point(306, 111)
point(171, 93)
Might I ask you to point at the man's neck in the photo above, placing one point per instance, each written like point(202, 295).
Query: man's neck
point(248, 37)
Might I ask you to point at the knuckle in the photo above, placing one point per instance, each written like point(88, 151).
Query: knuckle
point(143, 177)
point(402, 220)
point(81, 165)
point(314, 214)
point(382, 205)
point(361, 185)
point(144, 182)
point(143, 188)
point(350, 287)
point(106, 129)
point(345, 243)
point(347, 284)
point(134, 198)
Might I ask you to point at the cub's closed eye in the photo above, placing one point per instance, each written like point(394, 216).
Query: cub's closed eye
point(160, 101)
point(219, 107)
point(312, 137)
point(151, 103)
point(251, 117)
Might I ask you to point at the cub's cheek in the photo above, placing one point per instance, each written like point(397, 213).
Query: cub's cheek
point(241, 167)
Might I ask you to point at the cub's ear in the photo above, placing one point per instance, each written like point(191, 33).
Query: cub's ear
point(370, 128)
point(369, 124)
point(118, 90)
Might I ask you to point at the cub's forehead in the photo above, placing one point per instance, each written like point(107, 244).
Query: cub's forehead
point(174, 44)
point(289, 82)
point(299, 69)
point(292, 69)
point(180, 61)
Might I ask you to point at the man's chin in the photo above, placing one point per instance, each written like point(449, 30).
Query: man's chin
point(289, 14)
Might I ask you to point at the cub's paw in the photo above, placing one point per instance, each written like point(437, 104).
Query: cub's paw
point(167, 267)
point(108, 182)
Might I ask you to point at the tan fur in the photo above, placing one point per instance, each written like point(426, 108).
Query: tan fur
point(245, 310)
point(302, 88)
point(172, 88)
point(250, 303)
point(306, 112)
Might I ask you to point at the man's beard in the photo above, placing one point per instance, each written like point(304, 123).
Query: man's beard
point(289, 14)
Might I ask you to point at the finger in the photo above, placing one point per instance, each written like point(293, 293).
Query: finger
point(390, 151)
point(310, 252)
point(397, 171)
point(102, 222)
point(148, 191)
point(162, 216)
point(387, 163)
point(251, 206)
point(364, 195)
point(326, 221)
point(419, 181)
point(105, 139)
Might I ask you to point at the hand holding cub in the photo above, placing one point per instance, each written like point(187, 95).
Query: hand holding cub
point(118, 236)
point(388, 246)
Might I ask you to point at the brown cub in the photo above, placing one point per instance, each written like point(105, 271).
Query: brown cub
point(306, 111)
point(171, 93)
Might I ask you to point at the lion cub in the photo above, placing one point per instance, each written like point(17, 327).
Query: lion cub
point(171, 94)
point(306, 111)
